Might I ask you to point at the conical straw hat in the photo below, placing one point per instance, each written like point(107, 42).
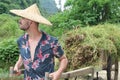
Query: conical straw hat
point(33, 14)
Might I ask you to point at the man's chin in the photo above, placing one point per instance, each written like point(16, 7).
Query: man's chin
point(23, 29)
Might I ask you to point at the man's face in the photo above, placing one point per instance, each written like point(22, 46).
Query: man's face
point(24, 24)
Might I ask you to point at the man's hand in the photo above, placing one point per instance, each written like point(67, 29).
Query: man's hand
point(16, 72)
point(18, 64)
point(55, 75)
point(16, 69)
point(63, 64)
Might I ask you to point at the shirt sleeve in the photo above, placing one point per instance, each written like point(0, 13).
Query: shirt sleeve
point(18, 43)
point(57, 50)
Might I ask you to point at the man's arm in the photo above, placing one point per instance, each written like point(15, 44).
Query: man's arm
point(18, 64)
point(63, 64)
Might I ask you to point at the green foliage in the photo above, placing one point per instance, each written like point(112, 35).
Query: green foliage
point(3, 8)
point(9, 26)
point(94, 11)
point(8, 53)
point(9, 30)
point(61, 21)
point(6, 5)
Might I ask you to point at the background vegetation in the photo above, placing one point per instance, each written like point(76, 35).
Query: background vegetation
point(95, 11)
point(97, 20)
point(6, 5)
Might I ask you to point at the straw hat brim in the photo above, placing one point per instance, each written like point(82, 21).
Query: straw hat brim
point(31, 16)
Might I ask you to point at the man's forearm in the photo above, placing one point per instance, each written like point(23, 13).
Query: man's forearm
point(18, 64)
point(63, 64)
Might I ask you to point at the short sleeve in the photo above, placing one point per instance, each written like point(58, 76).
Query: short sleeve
point(18, 44)
point(57, 49)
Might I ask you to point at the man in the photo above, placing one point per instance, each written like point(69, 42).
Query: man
point(37, 49)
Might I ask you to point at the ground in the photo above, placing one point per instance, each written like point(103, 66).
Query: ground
point(102, 74)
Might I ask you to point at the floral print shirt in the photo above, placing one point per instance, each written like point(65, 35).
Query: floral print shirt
point(43, 61)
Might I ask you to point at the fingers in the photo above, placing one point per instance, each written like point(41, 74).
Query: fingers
point(51, 75)
point(16, 69)
point(16, 72)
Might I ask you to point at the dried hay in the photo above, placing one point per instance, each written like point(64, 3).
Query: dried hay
point(84, 46)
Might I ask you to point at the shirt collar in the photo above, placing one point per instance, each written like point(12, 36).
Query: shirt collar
point(44, 36)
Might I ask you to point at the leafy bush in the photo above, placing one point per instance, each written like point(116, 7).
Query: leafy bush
point(8, 53)
point(94, 11)
point(9, 27)
point(6, 5)
point(62, 20)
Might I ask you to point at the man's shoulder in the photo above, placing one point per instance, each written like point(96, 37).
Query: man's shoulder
point(53, 38)
point(21, 38)
point(50, 37)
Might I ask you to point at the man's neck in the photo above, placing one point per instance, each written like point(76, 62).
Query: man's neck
point(34, 33)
